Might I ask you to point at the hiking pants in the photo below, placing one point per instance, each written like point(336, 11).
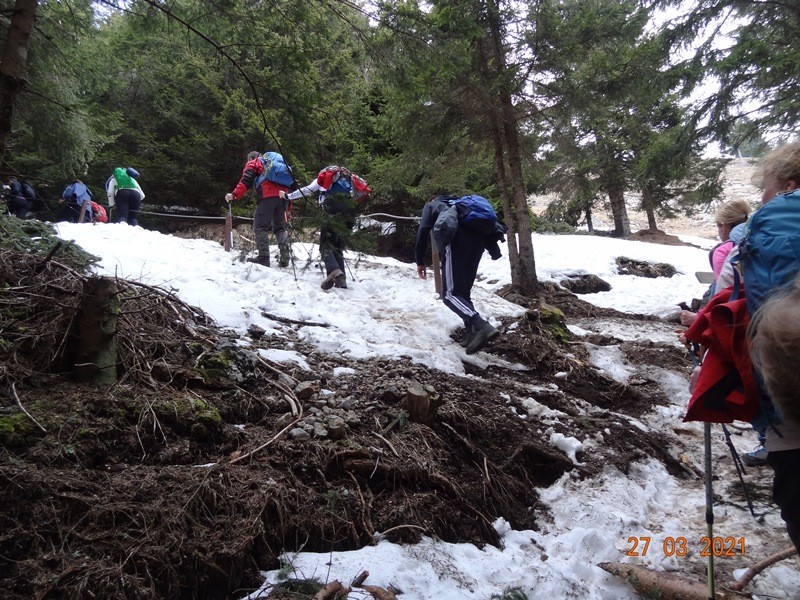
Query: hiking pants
point(126, 206)
point(269, 215)
point(331, 246)
point(786, 489)
point(459, 267)
point(18, 206)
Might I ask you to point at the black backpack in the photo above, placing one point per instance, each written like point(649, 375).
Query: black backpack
point(28, 191)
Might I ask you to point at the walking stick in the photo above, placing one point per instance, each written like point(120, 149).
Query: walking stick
point(709, 507)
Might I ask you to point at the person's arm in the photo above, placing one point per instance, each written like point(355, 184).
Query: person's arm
point(304, 192)
point(251, 171)
point(423, 236)
point(718, 256)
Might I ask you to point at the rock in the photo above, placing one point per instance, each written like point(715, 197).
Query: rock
point(336, 428)
point(641, 268)
point(320, 431)
point(299, 434)
point(306, 389)
point(256, 332)
point(390, 394)
point(585, 284)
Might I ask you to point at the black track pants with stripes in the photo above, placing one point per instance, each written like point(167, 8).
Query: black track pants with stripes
point(459, 267)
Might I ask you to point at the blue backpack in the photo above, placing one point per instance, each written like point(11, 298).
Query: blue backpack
point(476, 214)
point(471, 212)
point(275, 170)
point(770, 251)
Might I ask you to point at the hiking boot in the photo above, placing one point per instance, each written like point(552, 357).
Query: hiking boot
point(285, 256)
point(261, 259)
point(756, 458)
point(340, 281)
point(329, 281)
point(484, 333)
point(468, 335)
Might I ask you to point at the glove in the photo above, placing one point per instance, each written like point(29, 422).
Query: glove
point(228, 197)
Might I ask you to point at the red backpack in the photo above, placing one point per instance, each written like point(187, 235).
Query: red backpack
point(339, 180)
point(99, 214)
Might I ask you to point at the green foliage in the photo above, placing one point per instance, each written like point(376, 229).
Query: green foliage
point(38, 238)
point(543, 224)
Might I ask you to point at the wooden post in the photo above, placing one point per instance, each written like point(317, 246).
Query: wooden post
point(226, 244)
point(436, 266)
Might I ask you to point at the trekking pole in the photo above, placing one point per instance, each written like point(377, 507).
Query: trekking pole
point(709, 508)
point(737, 461)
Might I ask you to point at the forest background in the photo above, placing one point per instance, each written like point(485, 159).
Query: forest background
point(589, 100)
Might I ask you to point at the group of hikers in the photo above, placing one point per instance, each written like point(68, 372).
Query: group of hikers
point(746, 334)
point(473, 228)
point(76, 204)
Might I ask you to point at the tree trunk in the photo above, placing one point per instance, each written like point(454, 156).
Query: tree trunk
point(523, 274)
point(589, 224)
point(505, 196)
point(12, 65)
point(616, 197)
point(96, 355)
point(647, 205)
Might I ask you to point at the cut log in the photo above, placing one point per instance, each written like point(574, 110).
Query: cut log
point(666, 586)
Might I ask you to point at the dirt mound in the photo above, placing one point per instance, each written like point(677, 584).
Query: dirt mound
point(656, 237)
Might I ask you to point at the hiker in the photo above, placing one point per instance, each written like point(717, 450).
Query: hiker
point(16, 200)
point(77, 200)
point(335, 188)
point(727, 386)
point(775, 348)
point(459, 260)
point(268, 184)
point(730, 215)
point(125, 194)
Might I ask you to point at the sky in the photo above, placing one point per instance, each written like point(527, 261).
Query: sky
point(387, 311)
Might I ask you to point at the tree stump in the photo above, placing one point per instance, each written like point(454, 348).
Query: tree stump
point(96, 332)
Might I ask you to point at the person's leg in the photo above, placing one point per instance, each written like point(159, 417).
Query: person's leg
point(121, 206)
point(281, 235)
point(786, 489)
point(18, 206)
point(262, 221)
point(134, 205)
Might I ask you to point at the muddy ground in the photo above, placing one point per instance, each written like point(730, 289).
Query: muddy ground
point(205, 462)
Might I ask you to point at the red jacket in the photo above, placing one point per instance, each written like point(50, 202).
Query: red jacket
point(725, 390)
point(250, 173)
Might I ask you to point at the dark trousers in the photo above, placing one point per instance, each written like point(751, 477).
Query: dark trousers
point(70, 212)
point(18, 206)
point(331, 246)
point(459, 267)
point(127, 204)
point(786, 489)
point(269, 215)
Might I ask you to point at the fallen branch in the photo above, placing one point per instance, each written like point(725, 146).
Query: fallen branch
point(666, 586)
point(761, 565)
point(267, 443)
point(19, 403)
point(333, 590)
point(293, 321)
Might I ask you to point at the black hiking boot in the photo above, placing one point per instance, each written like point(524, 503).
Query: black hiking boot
point(330, 280)
point(340, 281)
point(468, 335)
point(484, 333)
point(261, 259)
point(285, 256)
